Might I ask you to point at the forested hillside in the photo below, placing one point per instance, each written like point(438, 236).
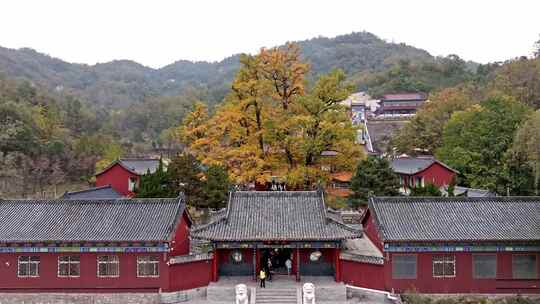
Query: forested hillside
point(122, 82)
point(58, 119)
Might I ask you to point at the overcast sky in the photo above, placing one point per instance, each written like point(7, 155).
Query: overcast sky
point(156, 33)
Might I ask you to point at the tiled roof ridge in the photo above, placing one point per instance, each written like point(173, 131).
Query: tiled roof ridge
point(276, 193)
point(343, 225)
point(89, 189)
point(138, 159)
point(117, 162)
point(91, 201)
point(211, 223)
point(440, 199)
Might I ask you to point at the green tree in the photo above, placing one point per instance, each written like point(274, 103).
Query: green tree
point(185, 173)
point(373, 176)
point(476, 140)
point(428, 190)
point(155, 184)
point(527, 143)
point(424, 131)
point(216, 187)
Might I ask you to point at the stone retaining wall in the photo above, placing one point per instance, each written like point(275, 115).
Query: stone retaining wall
point(66, 298)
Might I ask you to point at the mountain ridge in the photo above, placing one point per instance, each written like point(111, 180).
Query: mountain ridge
point(120, 83)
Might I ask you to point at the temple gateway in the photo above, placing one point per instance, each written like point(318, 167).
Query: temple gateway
point(258, 226)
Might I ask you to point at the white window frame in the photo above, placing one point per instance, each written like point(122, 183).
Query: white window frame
point(27, 264)
point(144, 260)
point(69, 264)
point(116, 261)
point(132, 183)
point(446, 259)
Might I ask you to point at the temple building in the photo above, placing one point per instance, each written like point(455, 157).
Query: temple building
point(91, 245)
point(430, 245)
point(404, 104)
point(124, 174)
point(257, 226)
point(456, 244)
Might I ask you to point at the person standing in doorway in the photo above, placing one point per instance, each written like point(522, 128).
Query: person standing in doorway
point(269, 269)
point(288, 265)
point(262, 276)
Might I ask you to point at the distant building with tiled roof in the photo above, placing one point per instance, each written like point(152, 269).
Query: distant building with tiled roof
point(104, 192)
point(403, 104)
point(340, 184)
point(124, 174)
point(420, 171)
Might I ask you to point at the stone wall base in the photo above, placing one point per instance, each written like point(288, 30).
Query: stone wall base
point(103, 298)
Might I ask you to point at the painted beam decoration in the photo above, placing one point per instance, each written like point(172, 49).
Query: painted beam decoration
point(86, 248)
point(388, 247)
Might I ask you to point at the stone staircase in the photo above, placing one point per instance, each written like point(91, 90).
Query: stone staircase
point(277, 296)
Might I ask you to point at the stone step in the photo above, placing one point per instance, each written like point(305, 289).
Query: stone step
point(276, 296)
point(283, 301)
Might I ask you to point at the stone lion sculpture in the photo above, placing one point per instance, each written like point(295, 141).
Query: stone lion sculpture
point(308, 291)
point(241, 294)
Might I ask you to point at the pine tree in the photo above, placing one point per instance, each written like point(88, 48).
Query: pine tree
point(155, 184)
point(216, 187)
point(185, 173)
point(373, 177)
point(429, 190)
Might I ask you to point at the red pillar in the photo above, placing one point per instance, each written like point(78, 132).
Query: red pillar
point(338, 265)
point(215, 266)
point(298, 264)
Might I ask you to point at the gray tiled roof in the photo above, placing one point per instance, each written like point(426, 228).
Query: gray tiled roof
point(381, 131)
point(138, 166)
point(105, 192)
point(469, 192)
point(457, 218)
point(275, 215)
point(412, 165)
point(89, 220)
point(141, 166)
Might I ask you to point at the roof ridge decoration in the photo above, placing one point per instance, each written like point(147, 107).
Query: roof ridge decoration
point(321, 193)
point(229, 203)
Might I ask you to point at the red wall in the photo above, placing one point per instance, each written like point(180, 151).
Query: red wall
point(463, 282)
point(435, 174)
point(48, 279)
point(362, 274)
point(190, 275)
point(180, 243)
point(370, 230)
point(118, 178)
